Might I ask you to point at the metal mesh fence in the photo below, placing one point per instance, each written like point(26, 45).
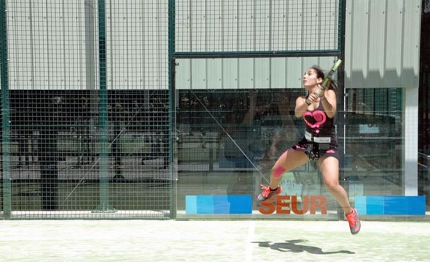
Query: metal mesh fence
point(88, 101)
point(370, 120)
point(235, 114)
point(257, 26)
point(56, 152)
point(88, 109)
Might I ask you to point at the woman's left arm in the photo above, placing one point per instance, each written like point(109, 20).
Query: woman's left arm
point(329, 103)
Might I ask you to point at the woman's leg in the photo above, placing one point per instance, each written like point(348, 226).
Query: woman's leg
point(289, 160)
point(329, 167)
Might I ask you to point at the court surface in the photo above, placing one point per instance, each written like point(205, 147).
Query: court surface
point(239, 240)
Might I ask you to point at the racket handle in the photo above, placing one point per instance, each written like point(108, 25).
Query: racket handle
point(323, 85)
point(320, 91)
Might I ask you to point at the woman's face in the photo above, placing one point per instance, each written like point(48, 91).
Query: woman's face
point(310, 78)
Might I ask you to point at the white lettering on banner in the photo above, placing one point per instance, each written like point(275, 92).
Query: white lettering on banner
point(309, 137)
point(322, 139)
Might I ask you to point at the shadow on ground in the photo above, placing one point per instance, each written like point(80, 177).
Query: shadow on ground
point(292, 246)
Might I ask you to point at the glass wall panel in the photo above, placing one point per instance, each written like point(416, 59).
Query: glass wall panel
point(228, 140)
point(373, 142)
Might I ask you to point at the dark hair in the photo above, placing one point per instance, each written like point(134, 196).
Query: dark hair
point(332, 84)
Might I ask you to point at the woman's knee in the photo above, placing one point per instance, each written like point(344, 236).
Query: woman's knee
point(331, 184)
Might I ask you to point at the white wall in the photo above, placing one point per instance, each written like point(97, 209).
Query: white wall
point(382, 43)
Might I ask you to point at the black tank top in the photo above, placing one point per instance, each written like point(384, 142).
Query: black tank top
point(318, 124)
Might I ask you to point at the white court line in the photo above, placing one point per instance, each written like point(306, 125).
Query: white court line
point(250, 238)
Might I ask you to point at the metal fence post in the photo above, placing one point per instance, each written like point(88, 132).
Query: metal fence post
point(5, 161)
point(172, 106)
point(104, 206)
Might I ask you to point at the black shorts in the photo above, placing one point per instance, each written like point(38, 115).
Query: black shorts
point(315, 151)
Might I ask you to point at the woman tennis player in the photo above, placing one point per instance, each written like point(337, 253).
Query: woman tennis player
point(318, 110)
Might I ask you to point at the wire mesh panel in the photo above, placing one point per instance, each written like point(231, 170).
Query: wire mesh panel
point(257, 26)
point(241, 101)
point(89, 109)
point(5, 143)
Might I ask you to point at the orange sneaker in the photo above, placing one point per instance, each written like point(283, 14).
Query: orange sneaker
point(354, 221)
point(267, 193)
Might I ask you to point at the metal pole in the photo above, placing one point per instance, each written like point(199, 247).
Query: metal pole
point(341, 98)
point(172, 106)
point(104, 206)
point(7, 202)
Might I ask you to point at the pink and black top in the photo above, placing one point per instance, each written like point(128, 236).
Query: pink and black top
point(320, 136)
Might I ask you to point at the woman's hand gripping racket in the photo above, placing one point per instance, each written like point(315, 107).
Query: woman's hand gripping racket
point(323, 86)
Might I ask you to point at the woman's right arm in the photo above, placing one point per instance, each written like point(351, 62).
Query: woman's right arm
point(301, 106)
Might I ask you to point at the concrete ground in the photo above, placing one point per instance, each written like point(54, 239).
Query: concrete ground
point(238, 240)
